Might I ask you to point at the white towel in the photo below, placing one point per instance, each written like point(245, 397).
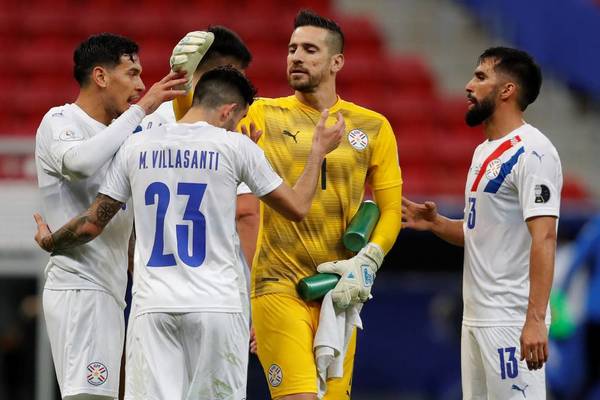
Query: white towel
point(331, 341)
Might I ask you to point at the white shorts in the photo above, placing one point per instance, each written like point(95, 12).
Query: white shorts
point(189, 356)
point(129, 365)
point(491, 367)
point(86, 330)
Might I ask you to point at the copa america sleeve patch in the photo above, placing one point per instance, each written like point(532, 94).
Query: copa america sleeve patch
point(542, 194)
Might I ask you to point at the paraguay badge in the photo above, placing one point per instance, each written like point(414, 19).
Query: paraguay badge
point(97, 374)
point(358, 139)
point(493, 169)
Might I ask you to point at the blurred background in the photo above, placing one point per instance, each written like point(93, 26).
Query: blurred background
point(408, 59)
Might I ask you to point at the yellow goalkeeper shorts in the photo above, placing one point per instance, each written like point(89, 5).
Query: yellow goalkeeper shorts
point(285, 328)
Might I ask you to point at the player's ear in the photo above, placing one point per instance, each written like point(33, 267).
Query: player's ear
point(337, 62)
point(508, 89)
point(100, 76)
point(227, 111)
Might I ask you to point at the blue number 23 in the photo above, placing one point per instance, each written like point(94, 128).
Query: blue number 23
point(158, 193)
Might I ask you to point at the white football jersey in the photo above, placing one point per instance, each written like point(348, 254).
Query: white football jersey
point(102, 263)
point(183, 179)
point(510, 180)
point(164, 114)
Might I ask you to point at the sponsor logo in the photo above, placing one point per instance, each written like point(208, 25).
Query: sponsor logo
point(358, 139)
point(493, 169)
point(58, 114)
point(542, 193)
point(368, 277)
point(522, 390)
point(97, 374)
point(275, 375)
point(285, 132)
point(535, 153)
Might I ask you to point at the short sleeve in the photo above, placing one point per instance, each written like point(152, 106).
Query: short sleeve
point(384, 170)
point(539, 182)
point(255, 170)
point(243, 189)
point(116, 182)
point(57, 137)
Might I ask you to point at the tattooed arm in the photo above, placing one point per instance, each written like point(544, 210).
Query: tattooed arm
point(80, 229)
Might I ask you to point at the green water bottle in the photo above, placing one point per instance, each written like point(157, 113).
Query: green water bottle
point(355, 238)
point(359, 231)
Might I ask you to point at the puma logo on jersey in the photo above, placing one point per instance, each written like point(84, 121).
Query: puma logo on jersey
point(290, 134)
point(522, 390)
point(535, 153)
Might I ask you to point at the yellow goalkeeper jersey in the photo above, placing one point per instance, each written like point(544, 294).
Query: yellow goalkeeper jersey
point(289, 251)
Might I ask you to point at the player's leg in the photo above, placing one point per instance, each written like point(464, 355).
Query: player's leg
point(285, 332)
point(341, 388)
point(507, 377)
point(86, 330)
point(216, 349)
point(130, 382)
point(88, 397)
point(157, 357)
point(474, 386)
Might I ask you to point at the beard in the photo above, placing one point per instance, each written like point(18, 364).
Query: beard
point(305, 85)
point(481, 111)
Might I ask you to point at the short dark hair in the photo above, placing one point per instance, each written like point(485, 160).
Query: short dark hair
point(520, 66)
point(104, 49)
point(223, 85)
point(310, 18)
point(227, 44)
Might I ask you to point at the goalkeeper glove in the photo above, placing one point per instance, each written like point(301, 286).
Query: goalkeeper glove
point(357, 275)
point(188, 53)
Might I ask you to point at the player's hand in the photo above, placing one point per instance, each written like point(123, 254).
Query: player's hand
point(327, 139)
point(43, 236)
point(534, 343)
point(421, 217)
point(357, 275)
point(253, 342)
point(251, 131)
point(188, 53)
point(162, 91)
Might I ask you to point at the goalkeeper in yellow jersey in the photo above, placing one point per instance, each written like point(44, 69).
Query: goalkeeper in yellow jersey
point(285, 325)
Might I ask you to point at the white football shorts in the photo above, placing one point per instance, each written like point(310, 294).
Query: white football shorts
point(491, 367)
point(86, 329)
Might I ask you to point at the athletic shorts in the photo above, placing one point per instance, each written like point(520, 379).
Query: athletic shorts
point(491, 367)
point(285, 329)
point(86, 330)
point(189, 356)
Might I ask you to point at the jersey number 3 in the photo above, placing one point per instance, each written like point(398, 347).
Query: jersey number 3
point(158, 193)
point(472, 215)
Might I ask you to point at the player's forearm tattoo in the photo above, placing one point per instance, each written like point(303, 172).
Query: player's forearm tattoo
point(85, 227)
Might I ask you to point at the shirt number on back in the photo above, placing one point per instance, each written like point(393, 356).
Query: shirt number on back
point(471, 218)
point(158, 193)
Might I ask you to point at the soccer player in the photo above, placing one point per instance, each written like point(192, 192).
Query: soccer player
point(287, 251)
point(84, 290)
point(191, 340)
point(512, 200)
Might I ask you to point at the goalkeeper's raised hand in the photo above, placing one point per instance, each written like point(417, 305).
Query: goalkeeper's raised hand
point(357, 275)
point(188, 53)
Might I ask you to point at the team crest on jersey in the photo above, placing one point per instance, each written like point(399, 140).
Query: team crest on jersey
point(275, 375)
point(97, 374)
point(358, 139)
point(69, 136)
point(493, 169)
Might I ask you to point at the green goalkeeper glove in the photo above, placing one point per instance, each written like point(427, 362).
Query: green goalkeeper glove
point(357, 275)
point(188, 53)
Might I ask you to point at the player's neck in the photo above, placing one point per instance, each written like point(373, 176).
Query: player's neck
point(196, 114)
point(92, 105)
point(502, 123)
point(321, 99)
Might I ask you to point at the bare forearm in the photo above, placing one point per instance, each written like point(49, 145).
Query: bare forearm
point(74, 233)
point(247, 227)
point(541, 273)
point(449, 230)
point(306, 185)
